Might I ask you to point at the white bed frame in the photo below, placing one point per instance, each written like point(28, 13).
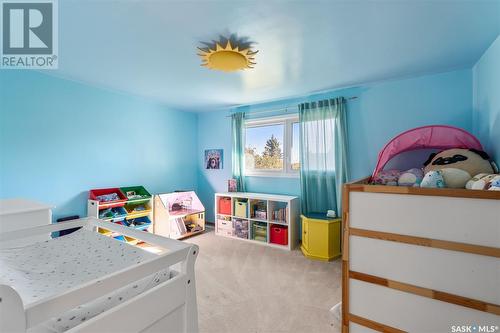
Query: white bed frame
point(169, 307)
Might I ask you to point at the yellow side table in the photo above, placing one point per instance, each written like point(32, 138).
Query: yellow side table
point(321, 238)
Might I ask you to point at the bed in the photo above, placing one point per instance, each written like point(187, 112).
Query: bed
point(88, 282)
point(419, 259)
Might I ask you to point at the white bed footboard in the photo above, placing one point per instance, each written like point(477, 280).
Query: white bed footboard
point(168, 307)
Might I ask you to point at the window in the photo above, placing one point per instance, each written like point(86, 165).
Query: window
point(272, 147)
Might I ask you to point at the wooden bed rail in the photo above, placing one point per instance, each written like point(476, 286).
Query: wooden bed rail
point(362, 185)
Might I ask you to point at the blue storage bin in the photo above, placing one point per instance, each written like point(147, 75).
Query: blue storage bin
point(112, 214)
point(120, 238)
point(140, 223)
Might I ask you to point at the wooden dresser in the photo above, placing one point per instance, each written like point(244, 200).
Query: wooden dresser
point(420, 260)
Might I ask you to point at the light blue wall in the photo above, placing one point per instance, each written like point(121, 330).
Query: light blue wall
point(66, 137)
point(381, 111)
point(214, 132)
point(58, 139)
point(486, 113)
point(387, 109)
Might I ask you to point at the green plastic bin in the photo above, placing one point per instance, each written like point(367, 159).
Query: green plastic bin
point(136, 194)
point(259, 231)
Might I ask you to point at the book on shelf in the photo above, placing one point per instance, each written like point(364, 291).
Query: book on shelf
point(279, 214)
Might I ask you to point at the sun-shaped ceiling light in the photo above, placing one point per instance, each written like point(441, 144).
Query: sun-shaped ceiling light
point(227, 54)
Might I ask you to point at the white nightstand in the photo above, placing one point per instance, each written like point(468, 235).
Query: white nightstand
point(18, 214)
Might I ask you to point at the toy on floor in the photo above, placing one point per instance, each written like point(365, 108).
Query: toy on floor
point(433, 179)
point(412, 177)
point(458, 165)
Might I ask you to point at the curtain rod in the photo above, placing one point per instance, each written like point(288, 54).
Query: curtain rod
point(285, 108)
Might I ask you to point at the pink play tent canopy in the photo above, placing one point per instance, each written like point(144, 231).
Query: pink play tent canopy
point(426, 137)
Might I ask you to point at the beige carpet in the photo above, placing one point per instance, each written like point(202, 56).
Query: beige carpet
point(244, 287)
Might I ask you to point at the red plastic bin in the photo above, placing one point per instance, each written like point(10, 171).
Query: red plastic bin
point(279, 234)
point(225, 205)
point(93, 194)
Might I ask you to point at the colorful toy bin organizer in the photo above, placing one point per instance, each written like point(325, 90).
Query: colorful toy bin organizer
point(128, 206)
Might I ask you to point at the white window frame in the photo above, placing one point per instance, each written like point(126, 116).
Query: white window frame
point(287, 121)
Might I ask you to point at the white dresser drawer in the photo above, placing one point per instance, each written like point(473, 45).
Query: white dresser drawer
point(465, 220)
point(410, 312)
point(464, 274)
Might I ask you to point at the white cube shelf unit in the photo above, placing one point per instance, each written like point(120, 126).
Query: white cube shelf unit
point(268, 219)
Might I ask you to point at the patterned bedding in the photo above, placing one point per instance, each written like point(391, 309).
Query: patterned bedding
point(48, 268)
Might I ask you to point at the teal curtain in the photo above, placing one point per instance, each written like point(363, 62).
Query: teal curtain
point(323, 155)
point(238, 149)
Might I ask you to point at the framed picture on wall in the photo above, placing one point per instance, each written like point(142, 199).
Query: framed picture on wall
point(214, 158)
point(232, 186)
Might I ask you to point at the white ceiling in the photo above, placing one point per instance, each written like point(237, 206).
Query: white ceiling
point(148, 47)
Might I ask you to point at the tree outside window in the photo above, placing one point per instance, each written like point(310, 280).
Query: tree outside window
point(271, 148)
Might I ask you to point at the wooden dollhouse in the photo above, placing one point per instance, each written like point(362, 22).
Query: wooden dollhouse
point(178, 215)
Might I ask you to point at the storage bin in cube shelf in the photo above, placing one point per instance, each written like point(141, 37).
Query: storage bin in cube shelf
point(278, 234)
point(259, 231)
point(108, 197)
point(241, 208)
point(136, 194)
point(225, 205)
point(225, 226)
point(240, 228)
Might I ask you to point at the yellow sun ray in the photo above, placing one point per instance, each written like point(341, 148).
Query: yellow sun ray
point(228, 57)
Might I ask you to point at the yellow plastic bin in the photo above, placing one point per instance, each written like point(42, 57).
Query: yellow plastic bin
point(321, 238)
point(241, 208)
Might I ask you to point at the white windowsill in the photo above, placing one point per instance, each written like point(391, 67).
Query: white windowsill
point(273, 174)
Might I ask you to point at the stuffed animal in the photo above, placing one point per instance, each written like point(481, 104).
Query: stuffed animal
point(494, 184)
point(433, 179)
point(412, 177)
point(458, 166)
point(386, 177)
point(479, 182)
